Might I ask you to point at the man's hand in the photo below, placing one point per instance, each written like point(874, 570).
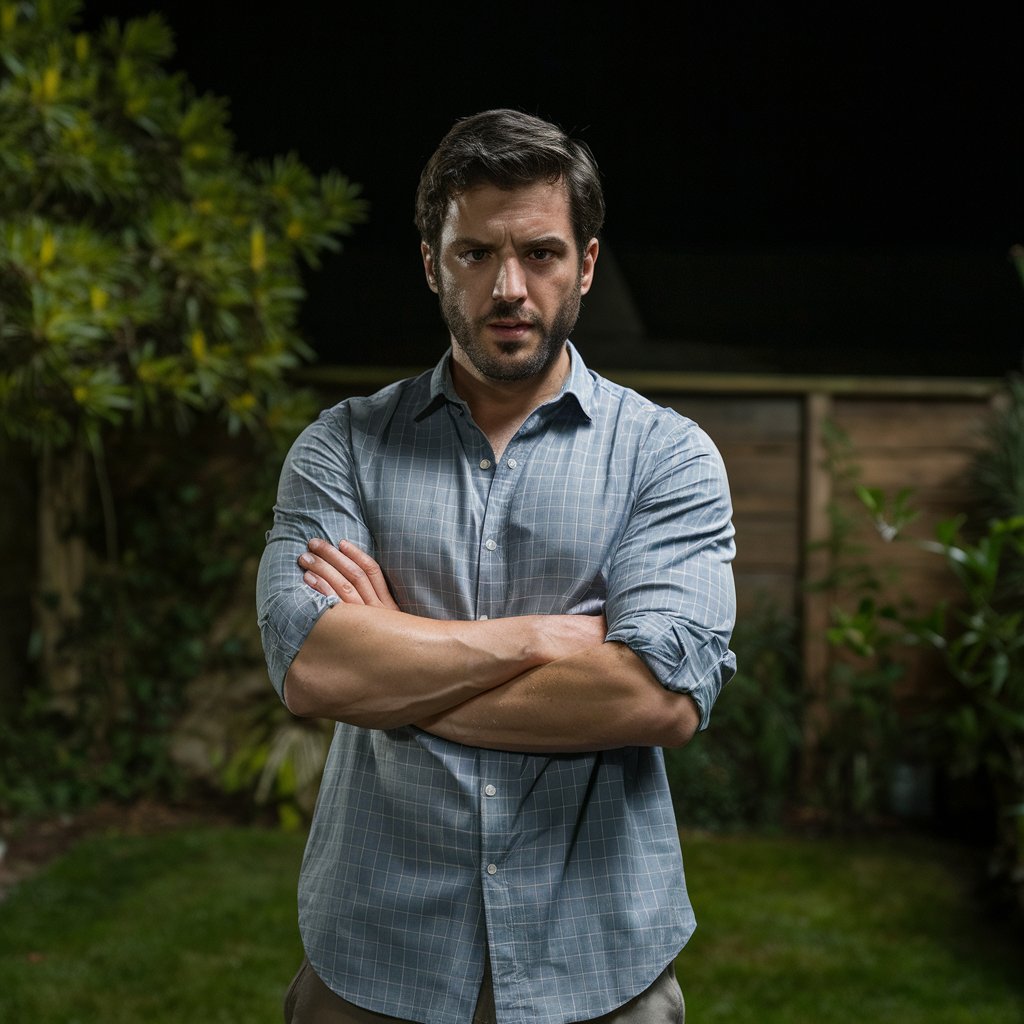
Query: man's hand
point(345, 572)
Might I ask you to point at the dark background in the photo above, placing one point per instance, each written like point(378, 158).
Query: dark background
point(790, 189)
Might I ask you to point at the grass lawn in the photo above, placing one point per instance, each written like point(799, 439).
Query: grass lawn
point(795, 930)
point(197, 926)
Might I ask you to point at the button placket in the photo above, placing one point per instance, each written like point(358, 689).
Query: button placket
point(491, 570)
point(500, 795)
point(491, 818)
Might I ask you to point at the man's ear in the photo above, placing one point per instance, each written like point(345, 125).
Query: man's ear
point(428, 266)
point(587, 272)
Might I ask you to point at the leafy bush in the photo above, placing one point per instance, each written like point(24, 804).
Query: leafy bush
point(189, 531)
point(278, 763)
point(149, 273)
point(860, 736)
point(997, 476)
point(741, 772)
point(980, 637)
point(150, 285)
point(982, 642)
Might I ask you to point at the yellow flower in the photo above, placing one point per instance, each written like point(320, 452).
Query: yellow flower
point(47, 249)
point(243, 403)
point(50, 85)
point(257, 249)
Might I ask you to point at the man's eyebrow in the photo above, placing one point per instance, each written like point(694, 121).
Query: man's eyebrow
point(548, 242)
point(542, 242)
point(467, 242)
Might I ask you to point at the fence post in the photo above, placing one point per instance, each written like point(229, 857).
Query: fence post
point(814, 605)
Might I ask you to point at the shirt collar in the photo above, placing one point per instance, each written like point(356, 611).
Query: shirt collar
point(579, 384)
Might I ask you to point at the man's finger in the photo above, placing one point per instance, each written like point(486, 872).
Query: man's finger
point(327, 578)
point(371, 571)
point(347, 569)
point(318, 583)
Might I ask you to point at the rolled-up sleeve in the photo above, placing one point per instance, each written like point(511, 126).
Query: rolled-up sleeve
point(671, 595)
point(316, 497)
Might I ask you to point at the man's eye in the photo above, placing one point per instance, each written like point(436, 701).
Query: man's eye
point(542, 255)
point(474, 255)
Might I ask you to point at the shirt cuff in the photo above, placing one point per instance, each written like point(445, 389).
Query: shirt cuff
point(284, 625)
point(683, 659)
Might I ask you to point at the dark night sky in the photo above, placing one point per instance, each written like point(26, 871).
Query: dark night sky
point(802, 138)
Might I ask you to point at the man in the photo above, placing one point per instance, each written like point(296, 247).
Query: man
point(508, 580)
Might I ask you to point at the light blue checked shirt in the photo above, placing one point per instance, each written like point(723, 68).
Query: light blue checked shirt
point(424, 854)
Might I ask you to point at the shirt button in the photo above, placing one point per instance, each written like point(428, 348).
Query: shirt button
point(490, 790)
point(490, 544)
point(512, 463)
point(485, 463)
point(492, 869)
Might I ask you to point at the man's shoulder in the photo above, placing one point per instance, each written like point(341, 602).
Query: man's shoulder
point(655, 434)
point(405, 396)
point(624, 402)
point(356, 422)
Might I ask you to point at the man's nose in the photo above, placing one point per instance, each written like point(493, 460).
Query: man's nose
point(510, 282)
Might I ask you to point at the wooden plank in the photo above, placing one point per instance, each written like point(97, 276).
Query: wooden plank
point(747, 418)
point(754, 487)
point(802, 385)
point(894, 424)
point(761, 450)
point(763, 542)
point(366, 378)
point(817, 494)
point(932, 470)
point(755, 588)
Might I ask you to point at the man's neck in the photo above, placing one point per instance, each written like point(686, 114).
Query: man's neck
point(500, 407)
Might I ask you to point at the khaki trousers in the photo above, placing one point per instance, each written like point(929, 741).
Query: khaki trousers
point(310, 1001)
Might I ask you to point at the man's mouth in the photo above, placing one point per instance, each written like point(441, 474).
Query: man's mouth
point(510, 326)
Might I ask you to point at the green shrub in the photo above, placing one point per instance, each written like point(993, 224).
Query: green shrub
point(150, 286)
point(741, 772)
point(979, 727)
point(982, 642)
point(860, 737)
point(997, 474)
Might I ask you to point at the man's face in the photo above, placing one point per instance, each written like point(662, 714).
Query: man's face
point(509, 278)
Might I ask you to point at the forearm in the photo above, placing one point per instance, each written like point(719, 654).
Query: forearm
point(383, 668)
point(598, 699)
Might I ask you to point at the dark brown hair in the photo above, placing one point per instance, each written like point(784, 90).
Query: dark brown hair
point(509, 149)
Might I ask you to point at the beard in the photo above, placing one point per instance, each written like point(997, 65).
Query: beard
point(508, 364)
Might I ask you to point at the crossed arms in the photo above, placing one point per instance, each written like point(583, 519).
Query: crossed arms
point(532, 683)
